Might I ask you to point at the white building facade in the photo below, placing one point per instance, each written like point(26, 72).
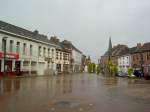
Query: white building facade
point(24, 54)
point(124, 62)
point(62, 61)
point(77, 60)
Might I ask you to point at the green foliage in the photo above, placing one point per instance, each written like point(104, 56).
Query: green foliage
point(91, 68)
point(98, 69)
point(112, 68)
point(130, 71)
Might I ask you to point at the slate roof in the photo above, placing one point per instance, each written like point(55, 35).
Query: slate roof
point(118, 50)
point(69, 45)
point(146, 47)
point(76, 49)
point(23, 32)
point(132, 49)
point(60, 45)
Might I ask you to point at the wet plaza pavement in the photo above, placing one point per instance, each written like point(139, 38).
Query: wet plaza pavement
point(74, 93)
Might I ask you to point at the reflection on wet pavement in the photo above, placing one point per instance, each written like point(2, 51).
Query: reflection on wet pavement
point(74, 93)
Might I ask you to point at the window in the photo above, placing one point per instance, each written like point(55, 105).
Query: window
point(56, 55)
point(147, 56)
point(3, 45)
point(11, 46)
point(65, 56)
point(31, 50)
point(52, 53)
point(68, 57)
point(18, 47)
point(60, 56)
point(39, 51)
point(44, 51)
point(48, 52)
point(24, 48)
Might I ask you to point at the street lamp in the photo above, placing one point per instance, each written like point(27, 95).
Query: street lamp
point(4, 49)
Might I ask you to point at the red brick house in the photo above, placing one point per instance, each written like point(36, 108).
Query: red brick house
point(136, 57)
point(146, 58)
point(141, 58)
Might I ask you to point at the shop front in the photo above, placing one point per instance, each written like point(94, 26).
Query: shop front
point(58, 67)
point(9, 64)
point(66, 68)
point(18, 68)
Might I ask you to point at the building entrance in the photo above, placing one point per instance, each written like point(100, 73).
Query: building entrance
point(58, 68)
point(17, 68)
point(8, 67)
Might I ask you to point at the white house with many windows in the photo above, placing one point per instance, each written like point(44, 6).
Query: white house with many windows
point(62, 61)
point(124, 62)
point(75, 57)
point(23, 51)
point(62, 56)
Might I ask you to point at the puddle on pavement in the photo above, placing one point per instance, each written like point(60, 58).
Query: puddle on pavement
point(67, 104)
point(70, 106)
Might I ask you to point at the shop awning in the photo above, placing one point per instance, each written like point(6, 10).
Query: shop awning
point(9, 55)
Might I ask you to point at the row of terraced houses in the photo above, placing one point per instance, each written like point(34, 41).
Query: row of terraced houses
point(137, 57)
point(24, 52)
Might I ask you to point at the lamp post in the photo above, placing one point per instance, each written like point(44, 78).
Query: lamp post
point(4, 49)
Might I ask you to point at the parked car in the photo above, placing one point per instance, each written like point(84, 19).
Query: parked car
point(138, 73)
point(122, 74)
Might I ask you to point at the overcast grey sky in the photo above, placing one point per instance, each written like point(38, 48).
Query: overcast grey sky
point(86, 23)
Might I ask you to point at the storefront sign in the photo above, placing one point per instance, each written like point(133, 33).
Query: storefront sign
point(9, 55)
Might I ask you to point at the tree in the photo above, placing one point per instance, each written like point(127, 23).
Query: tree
point(130, 71)
point(98, 69)
point(112, 68)
point(91, 68)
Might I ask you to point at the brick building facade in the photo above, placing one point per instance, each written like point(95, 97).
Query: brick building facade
point(141, 58)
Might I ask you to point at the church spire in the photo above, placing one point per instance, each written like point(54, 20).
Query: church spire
point(110, 44)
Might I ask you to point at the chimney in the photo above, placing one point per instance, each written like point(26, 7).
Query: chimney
point(35, 32)
point(139, 45)
point(54, 39)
